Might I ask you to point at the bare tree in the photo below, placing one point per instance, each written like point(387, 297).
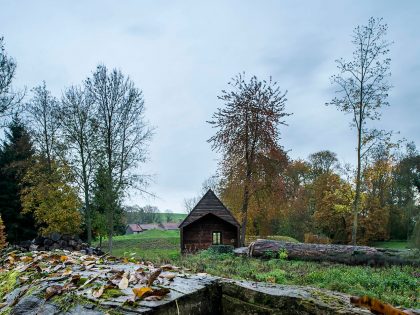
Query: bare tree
point(189, 203)
point(248, 126)
point(76, 117)
point(8, 98)
point(123, 135)
point(42, 110)
point(363, 89)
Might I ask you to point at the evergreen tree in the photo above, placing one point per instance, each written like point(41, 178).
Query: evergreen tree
point(15, 153)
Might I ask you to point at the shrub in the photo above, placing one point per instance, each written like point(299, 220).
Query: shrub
point(283, 254)
point(221, 249)
point(316, 239)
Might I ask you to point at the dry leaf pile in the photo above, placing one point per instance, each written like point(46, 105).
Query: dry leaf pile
point(95, 277)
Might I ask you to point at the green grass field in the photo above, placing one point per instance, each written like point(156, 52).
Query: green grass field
point(153, 245)
point(395, 285)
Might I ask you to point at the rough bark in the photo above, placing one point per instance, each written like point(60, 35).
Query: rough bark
point(345, 254)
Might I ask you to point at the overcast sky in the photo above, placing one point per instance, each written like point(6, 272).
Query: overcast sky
point(183, 53)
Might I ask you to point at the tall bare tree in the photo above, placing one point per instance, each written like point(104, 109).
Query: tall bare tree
point(363, 89)
point(42, 110)
point(247, 127)
point(123, 135)
point(8, 98)
point(76, 117)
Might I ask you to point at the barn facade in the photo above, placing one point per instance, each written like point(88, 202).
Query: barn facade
point(208, 223)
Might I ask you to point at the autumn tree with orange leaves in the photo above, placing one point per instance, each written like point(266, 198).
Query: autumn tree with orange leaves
point(247, 129)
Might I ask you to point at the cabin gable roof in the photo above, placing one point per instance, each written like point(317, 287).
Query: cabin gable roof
point(209, 203)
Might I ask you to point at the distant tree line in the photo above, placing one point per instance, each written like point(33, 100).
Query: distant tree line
point(147, 215)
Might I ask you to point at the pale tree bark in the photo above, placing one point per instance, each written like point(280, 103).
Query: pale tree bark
point(363, 90)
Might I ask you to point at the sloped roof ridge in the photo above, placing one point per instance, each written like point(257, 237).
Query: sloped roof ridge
point(206, 195)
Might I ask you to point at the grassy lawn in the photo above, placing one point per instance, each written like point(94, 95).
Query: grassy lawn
point(395, 285)
point(391, 244)
point(153, 245)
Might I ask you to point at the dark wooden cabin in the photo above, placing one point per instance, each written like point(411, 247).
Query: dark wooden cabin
point(208, 223)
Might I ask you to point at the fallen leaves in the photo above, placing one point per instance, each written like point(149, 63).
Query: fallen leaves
point(52, 291)
point(98, 293)
point(123, 282)
point(149, 293)
point(140, 292)
point(153, 276)
point(102, 277)
point(169, 276)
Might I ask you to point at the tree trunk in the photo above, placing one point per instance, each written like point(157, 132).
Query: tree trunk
point(345, 254)
point(357, 195)
point(88, 218)
point(244, 209)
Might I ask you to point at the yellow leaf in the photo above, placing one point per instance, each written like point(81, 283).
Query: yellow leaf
point(139, 292)
point(63, 258)
point(26, 259)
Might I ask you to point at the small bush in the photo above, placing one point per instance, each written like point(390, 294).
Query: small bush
point(221, 249)
point(316, 239)
point(283, 254)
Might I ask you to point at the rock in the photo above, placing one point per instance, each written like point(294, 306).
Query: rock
point(25, 244)
point(55, 246)
point(48, 242)
point(246, 298)
point(72, 243)
point(66, 237)
point(241, 251)
point(55, 236)
point(85, 310)
point(33, 247)
point(30, 305)
point(38, 240)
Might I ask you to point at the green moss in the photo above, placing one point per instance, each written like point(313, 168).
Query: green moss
point(8, 281)
point(111, 293)
point(6, 310)
point(67, 301)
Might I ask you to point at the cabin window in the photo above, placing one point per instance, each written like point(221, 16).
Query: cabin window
point(217, 238)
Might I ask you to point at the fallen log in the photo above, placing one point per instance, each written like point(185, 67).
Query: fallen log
point(345, 254)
